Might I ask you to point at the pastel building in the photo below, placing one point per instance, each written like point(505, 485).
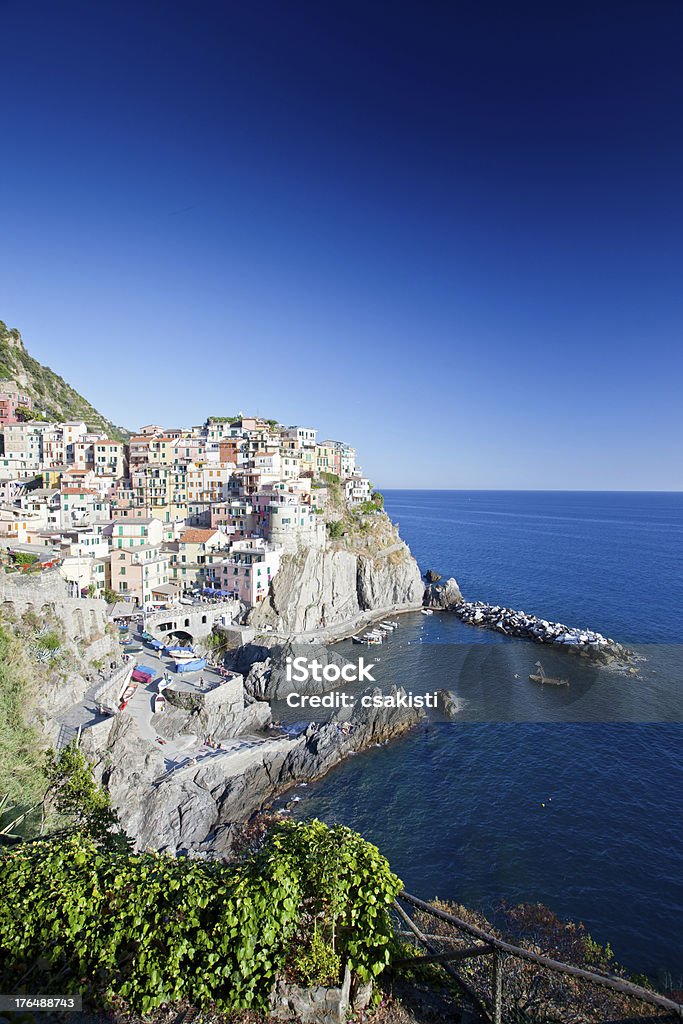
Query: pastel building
point(137, 572)
point(192, 555)
point(132, 533)
point(247, 571)
point(11, 398)
point(357, 489)
point(81, 506)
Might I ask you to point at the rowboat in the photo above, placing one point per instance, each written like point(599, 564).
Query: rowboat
point(544, 680)
point(184, 655)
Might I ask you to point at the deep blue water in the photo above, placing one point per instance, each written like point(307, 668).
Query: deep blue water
point(458, 808)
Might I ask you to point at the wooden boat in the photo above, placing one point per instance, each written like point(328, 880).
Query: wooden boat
point(544, 680)
point(187, 655)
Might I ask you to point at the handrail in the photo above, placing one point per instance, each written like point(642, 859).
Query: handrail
point(606, 981)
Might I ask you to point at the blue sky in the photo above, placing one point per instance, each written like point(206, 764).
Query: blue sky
point(450, 233)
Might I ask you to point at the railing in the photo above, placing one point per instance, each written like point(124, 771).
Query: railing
point(492, 1005)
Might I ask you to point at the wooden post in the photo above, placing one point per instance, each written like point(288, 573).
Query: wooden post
point(497, 1002)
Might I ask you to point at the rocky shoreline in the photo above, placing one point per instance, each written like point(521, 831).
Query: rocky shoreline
point(586, 642)
point(199, 809)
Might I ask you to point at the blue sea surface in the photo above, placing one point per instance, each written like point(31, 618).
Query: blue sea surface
point(516, 801)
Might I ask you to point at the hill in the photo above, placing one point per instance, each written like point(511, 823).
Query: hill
point(53, 398)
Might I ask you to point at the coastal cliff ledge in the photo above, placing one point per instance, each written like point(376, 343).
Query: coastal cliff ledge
point(369, 570)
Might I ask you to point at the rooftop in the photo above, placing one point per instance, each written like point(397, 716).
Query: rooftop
point(196, 536)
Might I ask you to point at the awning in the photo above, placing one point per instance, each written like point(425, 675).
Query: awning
point(122, 610)
point(167, 589)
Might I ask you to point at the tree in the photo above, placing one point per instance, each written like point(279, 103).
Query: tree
point(73, 794)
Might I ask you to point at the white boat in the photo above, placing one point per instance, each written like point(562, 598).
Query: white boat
point(187, 655)
point(388, 625)
point(427, 611)
point(159, 703)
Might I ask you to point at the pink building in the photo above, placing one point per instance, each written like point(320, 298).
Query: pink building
point(10, 400)
point(239, 518)
point(247, 571)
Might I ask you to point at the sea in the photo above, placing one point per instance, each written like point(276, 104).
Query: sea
point(572, 797)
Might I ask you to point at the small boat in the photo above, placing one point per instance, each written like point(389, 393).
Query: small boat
point(388, 625)
point(369, 639)
point(187, 655)
point(544, 680)
point(127, 694)
point(359, 640)
point(159, 703)
point(427, 611)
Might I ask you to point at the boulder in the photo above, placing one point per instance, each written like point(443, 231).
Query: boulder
point(442, 596)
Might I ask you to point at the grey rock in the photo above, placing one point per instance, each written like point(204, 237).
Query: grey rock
point(265, 669)
point(195, 808)
point(443, 596)
point(448, 704)
point(316, 589)
point(317, 1005)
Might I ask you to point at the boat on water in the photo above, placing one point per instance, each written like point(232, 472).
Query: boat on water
point(426, 611)
point(370, 638)
point(389, 626)
point(545, 680)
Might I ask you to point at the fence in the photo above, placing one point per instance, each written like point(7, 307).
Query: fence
point(492, 1005)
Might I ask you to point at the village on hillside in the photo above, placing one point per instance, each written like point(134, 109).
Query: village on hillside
point(173, 514)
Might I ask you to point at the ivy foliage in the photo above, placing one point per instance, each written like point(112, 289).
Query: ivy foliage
point(154, 929)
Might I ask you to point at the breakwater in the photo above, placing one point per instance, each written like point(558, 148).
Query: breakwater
point(586, 642)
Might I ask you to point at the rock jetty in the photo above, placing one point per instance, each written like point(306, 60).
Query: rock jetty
point(520, 624)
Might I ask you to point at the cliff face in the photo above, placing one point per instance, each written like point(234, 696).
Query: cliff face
point(197, 807)
point(322, 588)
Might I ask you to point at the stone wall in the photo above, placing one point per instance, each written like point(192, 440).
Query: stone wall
point(84, 619)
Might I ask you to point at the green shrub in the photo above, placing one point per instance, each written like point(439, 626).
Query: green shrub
point(335, 529)
point(155, 929)
point(317, 963)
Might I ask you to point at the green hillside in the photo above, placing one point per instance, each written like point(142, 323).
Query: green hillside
point(53, 398)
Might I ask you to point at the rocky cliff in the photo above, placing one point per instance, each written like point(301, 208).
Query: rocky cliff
point(197, 808)
point(368, 571)
point(53, 398)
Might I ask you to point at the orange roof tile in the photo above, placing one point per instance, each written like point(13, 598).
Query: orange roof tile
point(196, 536)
